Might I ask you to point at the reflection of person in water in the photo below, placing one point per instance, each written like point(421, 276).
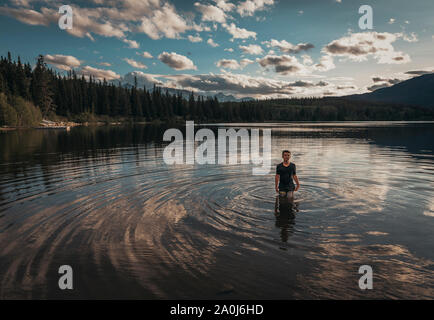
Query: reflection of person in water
point(284, 211)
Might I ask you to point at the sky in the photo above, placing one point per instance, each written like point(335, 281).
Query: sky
point(247, 48)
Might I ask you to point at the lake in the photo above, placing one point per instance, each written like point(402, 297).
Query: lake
point(102, 200)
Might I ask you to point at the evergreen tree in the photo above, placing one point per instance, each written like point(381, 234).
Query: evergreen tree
point(41, 87)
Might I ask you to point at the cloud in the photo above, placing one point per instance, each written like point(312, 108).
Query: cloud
point(135, 64)
point(145, 54)
point(110, 18)
point(212, 43)
point(249, 7)
point(252, 49)
point(228, 64)
point(211, 13)
point(378, 86)
point(229, 49)
point(244, 85)
point(287, 47)
point(383, 82)
point(131, 43)
point(164, 22)
point(27, 16)
point(176, 61)
point(245, 62)
point(360, 46)
point(325, 64)
point(105, 64)
point(391, 21)
point(98, 73)
point(233, 64)
point(390, 81)
point(238, 33)
point(420, 72)
point(90, 20)
point(62, 62)
point(196, 38)
point(225, 6)
point(284, 65)
point(143, 79)
point(307, 60)
point(412, 37)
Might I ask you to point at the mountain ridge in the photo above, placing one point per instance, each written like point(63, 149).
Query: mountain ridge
point(417, 91)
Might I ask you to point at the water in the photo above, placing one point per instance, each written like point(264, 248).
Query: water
point(102, 201)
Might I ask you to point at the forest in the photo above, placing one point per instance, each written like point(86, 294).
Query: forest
point(28, 95)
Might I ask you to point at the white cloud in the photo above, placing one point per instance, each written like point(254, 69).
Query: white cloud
point(145, 54)
point(252, 49)
point(307, 60)
point(135, 64)
point(105, 64)
point(62, 62)
point(131, 43)
point(110, 18)
point(177, 61)
point(98, 73)
point(143, 79)
point(196, 38)
point(211, 13)
point(245, 62)
point(238, 33)
point(232, 50)
point(391, 21)
point(225, 6)
point(258, 87)
point(361, 46)
point(325, 64)
point(288, 47)
point(233, 64)
point(212, 43)
point(164, 21)
point(249, 7)
point(412, 37)
point(27, 16)
point(228, 64)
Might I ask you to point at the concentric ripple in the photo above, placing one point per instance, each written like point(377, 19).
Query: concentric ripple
point(133, 227)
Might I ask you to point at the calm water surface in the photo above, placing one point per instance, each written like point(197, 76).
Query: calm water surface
point(103, 201)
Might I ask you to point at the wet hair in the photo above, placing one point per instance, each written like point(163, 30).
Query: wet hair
point(285, 151)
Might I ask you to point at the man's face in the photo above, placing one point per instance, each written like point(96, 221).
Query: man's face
point(286, 156)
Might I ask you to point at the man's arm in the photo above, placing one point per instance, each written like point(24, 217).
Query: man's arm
point(297, 182)
point(277, 182)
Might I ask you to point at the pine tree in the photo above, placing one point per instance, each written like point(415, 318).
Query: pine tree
point(41, 87)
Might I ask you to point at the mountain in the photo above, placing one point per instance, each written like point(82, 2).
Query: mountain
point(418, 91)
point(144, 80)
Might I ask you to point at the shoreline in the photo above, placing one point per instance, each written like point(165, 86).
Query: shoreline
point(66, 125)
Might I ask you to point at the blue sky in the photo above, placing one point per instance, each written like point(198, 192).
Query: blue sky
point(278, 48)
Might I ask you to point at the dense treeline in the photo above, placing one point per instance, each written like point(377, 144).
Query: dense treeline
point(27, 95)
point(327, 109)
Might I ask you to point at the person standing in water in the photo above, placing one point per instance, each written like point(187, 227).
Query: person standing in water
point(285, 177)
